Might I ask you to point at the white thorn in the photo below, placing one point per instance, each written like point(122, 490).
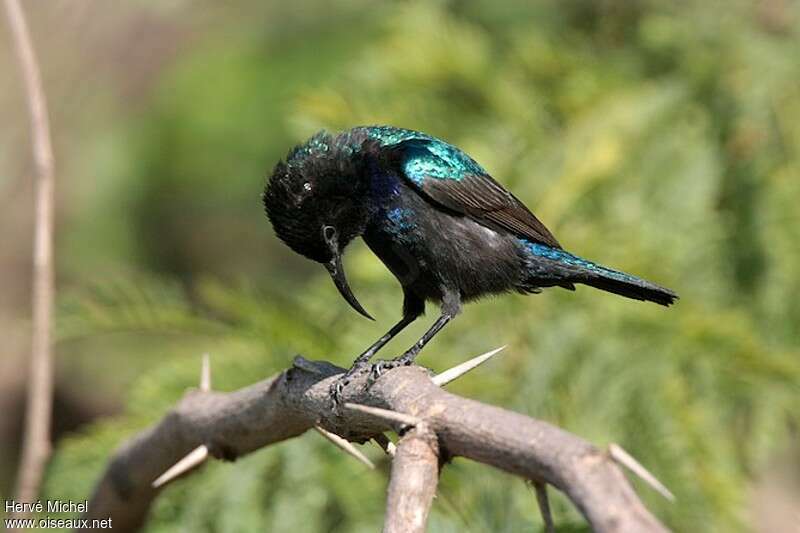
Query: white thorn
point(191, 460)
point(392, 417)
point(345, 446)
point(625, 459)
point(544, 505)
point(205, 373)
point(386, 445)
point(459, 370)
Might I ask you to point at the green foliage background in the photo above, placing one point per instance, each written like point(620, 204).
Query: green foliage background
point(656, 137)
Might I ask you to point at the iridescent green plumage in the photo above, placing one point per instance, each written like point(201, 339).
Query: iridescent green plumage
point(427, 157)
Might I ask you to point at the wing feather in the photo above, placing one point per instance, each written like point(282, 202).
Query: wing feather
point(448, 177)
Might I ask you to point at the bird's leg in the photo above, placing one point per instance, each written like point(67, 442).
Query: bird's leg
point(408, 357)
point(451, 306)
point(361, 361)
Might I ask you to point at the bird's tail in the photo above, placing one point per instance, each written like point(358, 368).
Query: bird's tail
point(630, 287)
point(574, 269)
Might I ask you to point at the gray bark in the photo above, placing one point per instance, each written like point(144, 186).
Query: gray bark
point(415, 474)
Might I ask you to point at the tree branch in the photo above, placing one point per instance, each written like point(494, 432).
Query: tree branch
point(415, 474)
point(296, 400)
point(36, 440)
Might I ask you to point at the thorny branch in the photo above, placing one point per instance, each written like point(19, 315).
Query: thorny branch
point(434, 426)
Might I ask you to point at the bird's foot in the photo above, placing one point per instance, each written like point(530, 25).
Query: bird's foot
point(376, 370)
point(335, 392)
point(338, 386)
point(380, 367)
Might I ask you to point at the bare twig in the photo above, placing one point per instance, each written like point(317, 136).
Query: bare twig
point(346, 447)
point(412, 487)
point(36, 439)
point(285, 406)
point(627, 460)
point(544, 505)
point(459, 370)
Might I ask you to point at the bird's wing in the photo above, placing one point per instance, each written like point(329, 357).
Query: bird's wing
point(449, 177)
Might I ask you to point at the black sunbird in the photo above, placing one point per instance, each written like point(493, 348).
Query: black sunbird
point(442, 225)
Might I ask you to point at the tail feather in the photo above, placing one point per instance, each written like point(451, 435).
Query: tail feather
point(638, 290)
point(574, 269)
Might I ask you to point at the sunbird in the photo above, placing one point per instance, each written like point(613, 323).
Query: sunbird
point(439, 222)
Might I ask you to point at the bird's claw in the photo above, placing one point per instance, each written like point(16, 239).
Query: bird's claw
point(380, 367)
point(337, 387)
point(376, 370)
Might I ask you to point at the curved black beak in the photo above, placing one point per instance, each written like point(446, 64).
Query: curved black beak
point(336, 271)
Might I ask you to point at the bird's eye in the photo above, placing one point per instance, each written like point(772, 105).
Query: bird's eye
point(307, 186)
point(329, 233)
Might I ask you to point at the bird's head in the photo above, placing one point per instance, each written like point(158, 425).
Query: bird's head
point(317, 201)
